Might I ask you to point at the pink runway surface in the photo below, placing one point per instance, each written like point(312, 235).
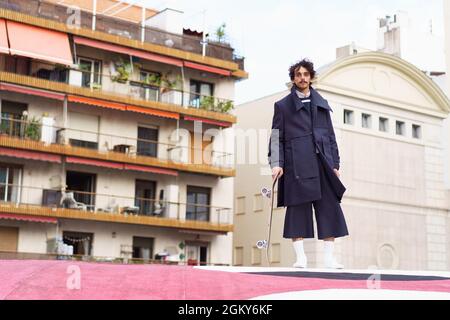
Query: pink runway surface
point(29, 279)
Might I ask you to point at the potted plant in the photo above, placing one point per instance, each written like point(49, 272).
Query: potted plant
point(220, 33)
point(153, 79)
point(123, 71)
point(167, 84)
point(32, 129)
point(207, 103)
point(225, 106)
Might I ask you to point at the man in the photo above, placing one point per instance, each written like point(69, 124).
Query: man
point(304, 155)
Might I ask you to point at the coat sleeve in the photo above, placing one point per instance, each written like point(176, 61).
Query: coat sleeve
point(276, 142)
point(334, 146)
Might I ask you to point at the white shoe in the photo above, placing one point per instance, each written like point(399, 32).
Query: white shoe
point(333, 264)
point(301, 262)
point(300, 254)
point(330, 261)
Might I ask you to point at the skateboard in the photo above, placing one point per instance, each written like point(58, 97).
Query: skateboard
point(265, 244)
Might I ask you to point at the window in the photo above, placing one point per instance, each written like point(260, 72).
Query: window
point(383, 124)
point(144, 196)
point(238, 256)
point(198, 202)
point(12, 114)
point(400, 128)
point(81, 242)
point(143, 248)
point(240, 205)
point(151, 83)
point(83, 186)
point(257, 202)
point(9, 183)
point(197, 253)
point(275, 252)
point(91, 70)
point(366, 120)
point(416, 131)
point(348, 116)
point(256, 255)
point(147, 144)
point(200, 93)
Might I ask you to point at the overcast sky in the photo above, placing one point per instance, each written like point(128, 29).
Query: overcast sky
point(274, 34)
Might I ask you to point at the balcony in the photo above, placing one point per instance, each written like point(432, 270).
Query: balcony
point(114, 150)
point(123, 29)
point(160, 92)
point(72, 204)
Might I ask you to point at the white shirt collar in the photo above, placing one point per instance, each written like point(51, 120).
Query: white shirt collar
point(301, 95)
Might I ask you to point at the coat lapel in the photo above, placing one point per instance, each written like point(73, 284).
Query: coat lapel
point(316, 99)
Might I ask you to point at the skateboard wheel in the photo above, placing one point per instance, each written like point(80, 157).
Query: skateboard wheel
point(261, 244)
point(266, 192)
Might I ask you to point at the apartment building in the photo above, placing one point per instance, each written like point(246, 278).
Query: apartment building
point(115, 134)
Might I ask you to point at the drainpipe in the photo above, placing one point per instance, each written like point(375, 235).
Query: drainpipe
point(94, 13)
point(143, 23)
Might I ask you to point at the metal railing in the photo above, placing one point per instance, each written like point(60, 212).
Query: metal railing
point(159, 91)
point(122, 28)
point(108, 143)
point(15, 195)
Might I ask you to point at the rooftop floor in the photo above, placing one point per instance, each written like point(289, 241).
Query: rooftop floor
point(42, 279)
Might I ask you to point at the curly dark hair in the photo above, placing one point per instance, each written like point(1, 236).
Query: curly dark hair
point(305, 63)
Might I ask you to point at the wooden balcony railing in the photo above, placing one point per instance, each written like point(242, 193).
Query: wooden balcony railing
point(84, 205)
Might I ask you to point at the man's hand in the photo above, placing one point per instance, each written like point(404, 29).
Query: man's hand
point(277, 171)
point(335, 171)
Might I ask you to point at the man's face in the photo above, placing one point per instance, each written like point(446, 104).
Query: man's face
point(302, 78)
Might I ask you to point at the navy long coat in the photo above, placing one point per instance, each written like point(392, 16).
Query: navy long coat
point(294, 144)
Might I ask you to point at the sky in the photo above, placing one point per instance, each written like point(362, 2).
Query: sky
point(272, 35)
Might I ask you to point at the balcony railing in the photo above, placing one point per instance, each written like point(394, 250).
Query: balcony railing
point(164, 91)
point(129, 147)
point(19, 196)
point(106, 24)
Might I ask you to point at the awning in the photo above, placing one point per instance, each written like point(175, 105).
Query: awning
point(217, 123)
point(4, 47)
point(153, 112)
point(39, 43)
point(120, 166)
point(31, 91)
point(28, 218)
point(93, 162)
point(97, 102)
point(150, 169)
point(127, 51)
point(203, 67)
point(31, 155)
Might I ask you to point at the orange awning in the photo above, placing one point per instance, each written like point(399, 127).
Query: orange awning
point(31, 155)
point(97, 102)
point(93, 162)
point(21, 217)
point(31, 91)
point(4, 47)
point(129, 51)
point(120, 166)
point(217, 123)
point(203, 67)
point(153, 112)
point(39, 43)
point(150, 169)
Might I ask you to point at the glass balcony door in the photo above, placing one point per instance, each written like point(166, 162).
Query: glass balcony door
point(91, 70)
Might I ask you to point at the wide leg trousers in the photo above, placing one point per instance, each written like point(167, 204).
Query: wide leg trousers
point(330, 219)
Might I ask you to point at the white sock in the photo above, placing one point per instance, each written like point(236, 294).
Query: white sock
point(328, 249)
point(330, 261)
point(299, 251)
